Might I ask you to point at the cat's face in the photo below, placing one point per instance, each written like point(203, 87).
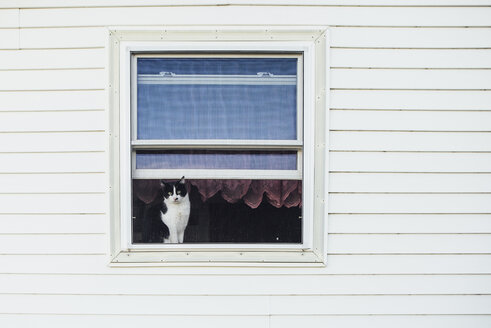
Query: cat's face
point(175, 192)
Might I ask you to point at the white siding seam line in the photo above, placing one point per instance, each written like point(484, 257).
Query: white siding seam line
point(176, 295)
point(242, 315)
point(231, 274)
point(48, 90)
point(397, 89)
point(251, 3)
point(407, 172)
point(424, 131)
point(213, 3)
point(257, 25)
point(54, 111)
point(412, 26)
point(247, 264)
point(405, 110)
point(407, 151)
point(52, 234)
point(60, 48)
point(94, 68)
point(407, 68)
point(408, 48)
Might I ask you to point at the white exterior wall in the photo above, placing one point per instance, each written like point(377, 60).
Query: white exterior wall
point(409, 240)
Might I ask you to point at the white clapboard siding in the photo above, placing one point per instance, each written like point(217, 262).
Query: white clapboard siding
point(409, 203)
point(41, 38)
point(410, 120)
point(409, 264)
point(53, 79)
point(53, 162)
point(338, 223)
point(175, 305)
point(410, 223)
point(125, 3)
point(251, 305)
point(52, 100)
point(337, 244)
point(246, 15)
point(418, 79)
point(400, 182)
point(53, 244)
point(53, 121)
point(276, 321)
point(52, 59)
point(412, 58)
point(63, 141)
point(9, 18)
point(381, 304)
point(76, 37)
point(53, 183)
point(360, 264)
point(245, 285)
point(394, 37)
point(10, 39)
point(409, 162)
point(381, 321)
point(409, 141)
point(410, 99)
point(128, 321)
point(53, 203)
point(53, 223)
point(409, 243)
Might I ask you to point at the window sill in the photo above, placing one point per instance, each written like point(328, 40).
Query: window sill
point(301, 258)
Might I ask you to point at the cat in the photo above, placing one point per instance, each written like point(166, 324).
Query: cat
point(175, 210)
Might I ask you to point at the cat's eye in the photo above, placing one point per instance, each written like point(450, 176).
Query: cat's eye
point(169, 193)
point(178, 192)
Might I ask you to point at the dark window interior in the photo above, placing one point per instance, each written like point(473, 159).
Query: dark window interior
point(218, 221)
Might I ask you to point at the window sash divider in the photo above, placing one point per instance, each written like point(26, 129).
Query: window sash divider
point(217, 144)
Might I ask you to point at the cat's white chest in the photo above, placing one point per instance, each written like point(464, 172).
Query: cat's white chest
point(176, 219)
point(176, 213)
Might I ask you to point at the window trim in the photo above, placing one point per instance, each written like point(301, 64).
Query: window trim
point(314, 45)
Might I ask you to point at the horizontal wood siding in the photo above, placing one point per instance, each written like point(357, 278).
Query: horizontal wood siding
point(246, 15)
point(409, 241)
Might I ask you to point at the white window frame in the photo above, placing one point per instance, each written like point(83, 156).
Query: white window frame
point(313, 44)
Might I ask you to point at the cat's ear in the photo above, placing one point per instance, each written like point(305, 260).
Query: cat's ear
point(162, 183)
point(183, 181)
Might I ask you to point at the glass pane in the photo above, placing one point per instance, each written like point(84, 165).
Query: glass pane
point(217, 211)
point(212, 159)
point(217, 98)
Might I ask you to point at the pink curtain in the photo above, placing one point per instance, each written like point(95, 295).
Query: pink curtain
point(278, 193)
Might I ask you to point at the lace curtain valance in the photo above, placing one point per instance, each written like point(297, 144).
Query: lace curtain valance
point(278, 193)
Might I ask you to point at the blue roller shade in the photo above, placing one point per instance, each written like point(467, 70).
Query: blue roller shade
point(217, 98)
point(209, 159)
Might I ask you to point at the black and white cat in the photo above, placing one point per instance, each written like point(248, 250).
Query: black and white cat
point(175, 210)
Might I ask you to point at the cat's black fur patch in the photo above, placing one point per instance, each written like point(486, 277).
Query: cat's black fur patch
point(168, 189)
point(149, 224)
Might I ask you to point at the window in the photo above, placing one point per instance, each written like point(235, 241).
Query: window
point(244, 122)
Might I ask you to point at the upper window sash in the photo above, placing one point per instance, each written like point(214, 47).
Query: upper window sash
point(291, 140)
